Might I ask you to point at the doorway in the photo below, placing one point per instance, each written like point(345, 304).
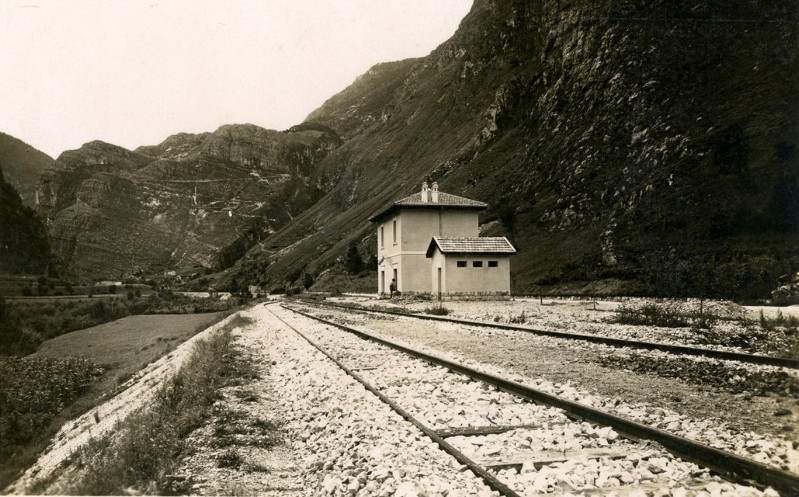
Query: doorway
point(438, 288)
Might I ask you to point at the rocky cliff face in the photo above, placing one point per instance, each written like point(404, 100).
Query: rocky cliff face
point(23, 239)
point(650, 143)
point(194, 201)
point(22, 165)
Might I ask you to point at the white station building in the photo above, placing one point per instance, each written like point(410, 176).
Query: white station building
point(429, 243)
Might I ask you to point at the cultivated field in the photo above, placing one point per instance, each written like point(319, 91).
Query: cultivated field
point(71, 373)
point(126, 345)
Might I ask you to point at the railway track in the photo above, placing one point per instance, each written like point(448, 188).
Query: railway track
point(614, 342)
point(523, 441)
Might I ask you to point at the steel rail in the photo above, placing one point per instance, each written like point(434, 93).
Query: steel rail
point(732, 466)
point(615, 342)
point(478, 470)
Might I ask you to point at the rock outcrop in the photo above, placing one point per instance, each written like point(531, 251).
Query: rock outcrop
point(194, 202)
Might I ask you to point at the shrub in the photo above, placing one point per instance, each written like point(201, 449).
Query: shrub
point(151, 442)
point(307, 280)
point(518, 319)
point(667, 315)
point(229, 459)
point(353, 262)
point(436, 311)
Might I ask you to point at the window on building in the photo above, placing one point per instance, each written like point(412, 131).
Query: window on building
point(461, 263)
point(493, 263)
point(394, 228)
point(382, 237)
point(477, 263)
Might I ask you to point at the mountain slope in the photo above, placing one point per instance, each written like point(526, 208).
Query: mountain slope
point(22, 165)
point(23, 239)
point(365, 101)
point(193, 203)
point(654, 144)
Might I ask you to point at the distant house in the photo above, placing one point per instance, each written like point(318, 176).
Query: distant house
point(421, 236)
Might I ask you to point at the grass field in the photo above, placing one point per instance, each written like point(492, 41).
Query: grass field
point(126, 345)
point(89, 364)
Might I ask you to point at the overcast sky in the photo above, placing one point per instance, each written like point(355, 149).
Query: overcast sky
point(134, 72)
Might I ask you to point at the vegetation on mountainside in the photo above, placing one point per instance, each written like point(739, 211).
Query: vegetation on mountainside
point(24, 246)
point(21, 165)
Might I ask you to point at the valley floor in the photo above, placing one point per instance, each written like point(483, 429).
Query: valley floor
point(297, 397)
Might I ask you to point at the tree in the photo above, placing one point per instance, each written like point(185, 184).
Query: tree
point(112, 289)
point(9, 331)
point(353, 262)
point(307, 280)
point(507, 210)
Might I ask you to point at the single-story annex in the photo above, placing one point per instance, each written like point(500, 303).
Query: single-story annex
point(429, 243)
point(470, 266)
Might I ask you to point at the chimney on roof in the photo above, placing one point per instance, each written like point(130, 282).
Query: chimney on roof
point(424, 192)
point(434, 193)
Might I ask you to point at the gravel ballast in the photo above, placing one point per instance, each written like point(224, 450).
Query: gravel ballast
point(349, 442)
point(444, 400)
point(572, 371)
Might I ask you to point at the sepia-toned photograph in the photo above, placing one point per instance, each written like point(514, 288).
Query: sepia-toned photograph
point(409, 248)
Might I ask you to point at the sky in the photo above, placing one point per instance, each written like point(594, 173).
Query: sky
point(132, 73)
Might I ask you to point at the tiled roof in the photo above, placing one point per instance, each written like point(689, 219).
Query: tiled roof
point(471, 245)
point(444, 200)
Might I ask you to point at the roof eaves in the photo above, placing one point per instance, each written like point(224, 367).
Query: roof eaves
point(432, 247)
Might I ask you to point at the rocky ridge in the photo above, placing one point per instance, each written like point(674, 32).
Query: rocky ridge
point(193, 201)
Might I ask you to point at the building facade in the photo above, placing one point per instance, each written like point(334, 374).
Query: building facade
point(405, 231)
point(470, 267)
